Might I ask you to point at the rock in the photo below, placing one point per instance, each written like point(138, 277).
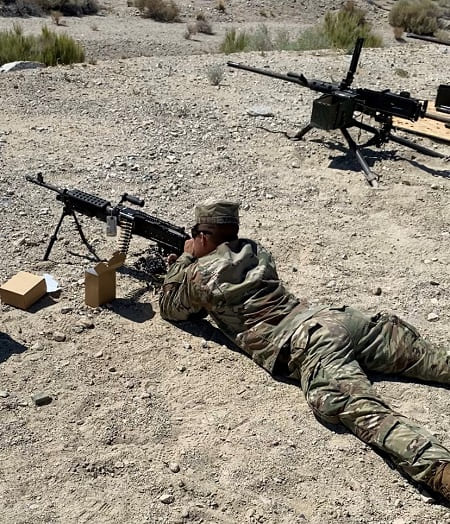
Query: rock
point(377, 291)
point(260, 111)
point(20, 66)
point(41, 399)
point(37, 346)
point(112, 369)
point(174, 467)
point(167, 498)
point(433, 317)
point(59, 337)
point(99, 354)
point(4, 394)
point(66, 309)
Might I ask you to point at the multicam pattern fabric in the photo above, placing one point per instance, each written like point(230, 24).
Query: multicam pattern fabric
point(330, 354)
point(327, 349)
point(238, 286)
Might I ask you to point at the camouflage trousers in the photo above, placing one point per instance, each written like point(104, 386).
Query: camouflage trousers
point(329, 354)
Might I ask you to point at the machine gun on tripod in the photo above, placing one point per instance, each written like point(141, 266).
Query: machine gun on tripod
point(336, 108)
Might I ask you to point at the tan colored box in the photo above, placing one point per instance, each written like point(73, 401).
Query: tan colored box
point(23, 290)
point(100, 281)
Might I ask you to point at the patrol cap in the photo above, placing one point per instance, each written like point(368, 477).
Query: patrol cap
point(213, 211)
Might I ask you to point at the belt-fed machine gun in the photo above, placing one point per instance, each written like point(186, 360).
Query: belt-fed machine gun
point(337, 106)
point(167, 237)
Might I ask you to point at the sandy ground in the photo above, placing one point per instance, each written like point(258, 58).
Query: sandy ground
point(152, 422)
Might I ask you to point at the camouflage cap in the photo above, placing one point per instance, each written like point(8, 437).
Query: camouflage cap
point(217, 212)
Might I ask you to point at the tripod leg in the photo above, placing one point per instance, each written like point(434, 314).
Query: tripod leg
point(421, 149)
point(55, 234)
point(371, 178)
point(300, 134)
point(83, 238)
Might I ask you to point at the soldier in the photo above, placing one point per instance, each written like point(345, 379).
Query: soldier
point(327, 348)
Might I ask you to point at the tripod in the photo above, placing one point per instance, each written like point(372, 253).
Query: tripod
point(380, 136)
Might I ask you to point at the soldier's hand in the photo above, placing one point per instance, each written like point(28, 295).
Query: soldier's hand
point(189, 247)
point(171, 259)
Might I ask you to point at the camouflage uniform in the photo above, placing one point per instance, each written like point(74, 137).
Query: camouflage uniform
point(325, 348)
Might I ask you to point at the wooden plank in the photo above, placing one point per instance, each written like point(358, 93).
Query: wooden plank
point(426, 126)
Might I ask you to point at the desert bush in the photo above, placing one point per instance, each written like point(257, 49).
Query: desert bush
point(235, 41)
point(343, 27)
point(159, 10)
point(221, 6)
point(215, 74)
point(48, 47)
point(56, 17)
point(191, 29)
point(312, 38)
point(203, 26)
point(260, 39)
point(416, 16)
point(42, 7)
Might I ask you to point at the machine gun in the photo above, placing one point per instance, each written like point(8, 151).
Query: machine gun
point(336, 107)
point(167, 237)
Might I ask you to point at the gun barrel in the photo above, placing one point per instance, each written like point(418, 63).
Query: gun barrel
point(38, 180)
point(428, 39)
point(290, 77)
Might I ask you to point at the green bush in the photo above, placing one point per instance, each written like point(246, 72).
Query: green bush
point(416, 16)
point(346, 25)
point(235, 41)
point(159, 10)
point(42, 7)
point(312, 38)
point(48, 47)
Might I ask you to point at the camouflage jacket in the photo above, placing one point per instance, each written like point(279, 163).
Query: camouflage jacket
point(238, 286)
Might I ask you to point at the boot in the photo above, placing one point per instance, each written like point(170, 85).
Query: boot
point(439, 481)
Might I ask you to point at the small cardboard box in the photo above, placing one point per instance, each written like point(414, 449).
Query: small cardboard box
point(100, 281)
point(23, 290)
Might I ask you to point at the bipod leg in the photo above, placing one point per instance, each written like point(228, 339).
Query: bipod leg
point(300, 134)
point(55, 234)
point(421, 149)
point(83, 238)
point(371, 178)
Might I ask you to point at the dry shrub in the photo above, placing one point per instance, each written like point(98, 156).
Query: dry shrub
point(48, 47)
point(191, 29)
point(215, 74)
point(221, 6)
point(202, 25)
point(159, 10)
point(416, 16)
point(43, 7)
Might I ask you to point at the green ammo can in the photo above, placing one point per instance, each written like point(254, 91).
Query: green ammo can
point(331, 111)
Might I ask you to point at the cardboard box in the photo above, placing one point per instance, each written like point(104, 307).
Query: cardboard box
point(100, 281)
point(23, 290)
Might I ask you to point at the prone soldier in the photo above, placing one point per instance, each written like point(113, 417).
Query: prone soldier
point(327, 348)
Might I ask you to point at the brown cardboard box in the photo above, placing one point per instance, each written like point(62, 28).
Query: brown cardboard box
point(23, 290)
point(100, 281)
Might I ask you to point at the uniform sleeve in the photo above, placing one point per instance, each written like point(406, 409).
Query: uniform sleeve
point(182, 294)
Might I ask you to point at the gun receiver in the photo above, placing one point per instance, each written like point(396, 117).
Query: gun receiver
point(336, 108)
point(168, 237)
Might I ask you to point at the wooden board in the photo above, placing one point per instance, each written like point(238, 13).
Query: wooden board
point(426, 126)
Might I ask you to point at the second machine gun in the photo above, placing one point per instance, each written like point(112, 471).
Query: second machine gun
point(336, 107)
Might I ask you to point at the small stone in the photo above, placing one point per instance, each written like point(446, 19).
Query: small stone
point(181, 369)
point(185, 513)
point(66, 309)
point(205, 344)
point(112, 369)
point(433, 317)
point(99, 354)
point(260, 111)
point(37, 347)
point(145, 395)
point(4, 394)
point(59, 337)
point(377, 291)
point(86, 323)
point(187, 346)
point(167, 498)
point(174, 467)
point(41, 399)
